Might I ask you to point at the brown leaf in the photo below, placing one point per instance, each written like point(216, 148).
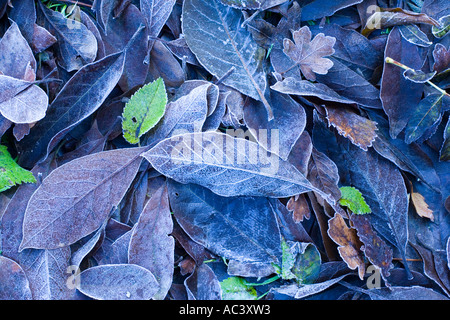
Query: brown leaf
point(421, 206)
point(349, 244)
point(299, 207)
point(441, 57)
point(309, 55)
point(375, 249)
point(389, 17)
point(360, 131)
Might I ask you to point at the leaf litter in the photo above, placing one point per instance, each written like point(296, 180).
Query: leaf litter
point(193, 149)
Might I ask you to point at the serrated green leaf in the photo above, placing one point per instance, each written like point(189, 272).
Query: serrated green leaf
point(11, 173)
point(235, 288)
point(144, 110)
point(287, 261)
point(353, 199)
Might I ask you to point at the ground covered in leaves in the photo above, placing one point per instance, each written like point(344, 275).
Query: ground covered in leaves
point(224, 149)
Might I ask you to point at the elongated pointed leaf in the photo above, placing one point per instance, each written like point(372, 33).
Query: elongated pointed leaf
point(214, 34)
point(80, 97)
point(77, 197)
point(151, 246)
point(425, 119)
point(228, 166)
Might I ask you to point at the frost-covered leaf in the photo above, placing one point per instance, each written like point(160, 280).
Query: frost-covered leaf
point(144, 110)
point(13, 281)
point(82, 193)
point(118, 282)
point(309, 54)
point(349, 244)
point(214, 34)
point(151, 245)
point(228, 166)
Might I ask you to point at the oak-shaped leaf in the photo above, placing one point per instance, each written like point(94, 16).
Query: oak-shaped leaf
point(349, 244)
point(75, 199)
point(309, 54)
point(151, 246)
point(144, 110)
point(228, 166)
point(11, 173)
point(118, 282)
point(214, 34)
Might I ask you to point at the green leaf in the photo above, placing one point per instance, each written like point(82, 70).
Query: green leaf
point(287, 262)
point(235, 288)
point(144, 110)
point(11, 173)
point(353, 199)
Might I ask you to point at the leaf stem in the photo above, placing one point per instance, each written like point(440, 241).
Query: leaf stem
point(401, 65)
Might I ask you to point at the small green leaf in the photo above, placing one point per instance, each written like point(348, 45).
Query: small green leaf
point(11, 173)
point(235, 288)
point(287, 261)
point(144, 110)
point(353, 199)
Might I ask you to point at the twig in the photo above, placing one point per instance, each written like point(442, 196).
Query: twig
point(401, 65)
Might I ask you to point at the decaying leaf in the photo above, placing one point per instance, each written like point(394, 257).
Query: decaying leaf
point(309, 54)
point(421, 206)
point(360, 130)
point(349, 244)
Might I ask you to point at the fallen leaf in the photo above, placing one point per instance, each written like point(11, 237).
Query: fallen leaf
point(82, 192)
point(11, 173)
point(220, 32)
point(151, 245)
point(13, 281)
point(360, 130)
point(349, 244)
point(354, 200)
point(309, 54)
point(144, 110)
point(118, 282)
point(421, 206)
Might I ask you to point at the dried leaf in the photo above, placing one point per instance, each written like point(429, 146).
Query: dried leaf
point(361, 131)
point(208, 159)
point(80, 97)
point(421, 206)
point(374, 248)
point(13, 281)
point(309, 54)
point(390, 17)
point(349, 244)
point(441, 57)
